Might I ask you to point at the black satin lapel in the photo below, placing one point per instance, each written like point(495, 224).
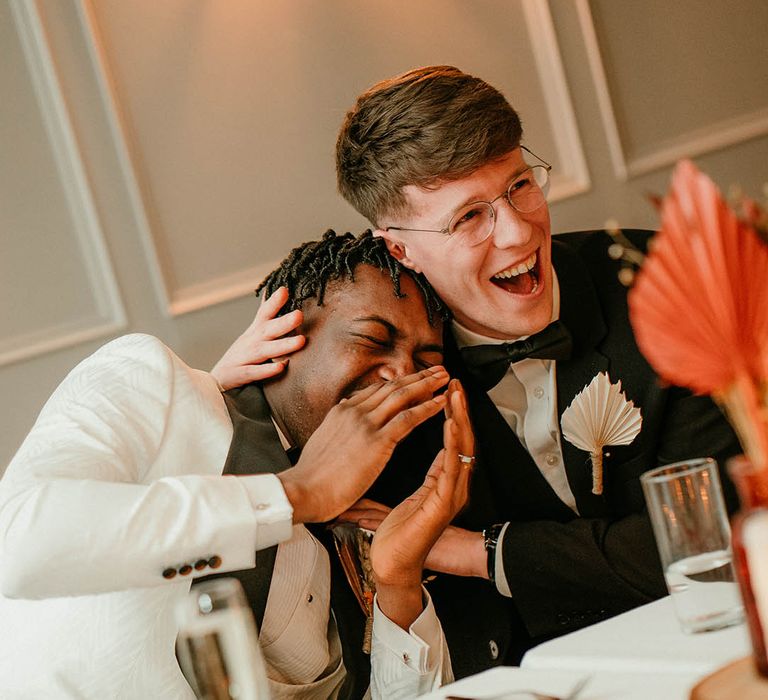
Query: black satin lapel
point(517, 487)
point(255, 446)
point(581, 312)
point(255, 449)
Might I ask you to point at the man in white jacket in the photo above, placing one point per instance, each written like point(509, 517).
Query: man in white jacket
point(133, 481)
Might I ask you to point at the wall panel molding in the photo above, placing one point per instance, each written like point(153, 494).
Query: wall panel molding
point(696, 142)
point(573, 177)
point(126, 155)
point(220, 289)
point(173, 300)
point(110, 317)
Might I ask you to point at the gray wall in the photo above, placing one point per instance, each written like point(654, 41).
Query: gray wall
point(157, 158)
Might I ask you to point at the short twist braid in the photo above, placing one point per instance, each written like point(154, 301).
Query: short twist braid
point(312, 266)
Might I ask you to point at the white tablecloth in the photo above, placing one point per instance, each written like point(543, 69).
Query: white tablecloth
point(647, 639)
point(640, 655)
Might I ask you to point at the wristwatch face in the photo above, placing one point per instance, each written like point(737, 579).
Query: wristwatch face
point(491, 535)
point(490, 540)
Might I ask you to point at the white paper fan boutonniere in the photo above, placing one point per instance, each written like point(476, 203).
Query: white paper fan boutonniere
point(600, 415)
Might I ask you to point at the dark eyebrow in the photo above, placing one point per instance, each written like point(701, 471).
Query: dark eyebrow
point(431, 347)
point(390, 327)
point(474, 198)
point(395, 332)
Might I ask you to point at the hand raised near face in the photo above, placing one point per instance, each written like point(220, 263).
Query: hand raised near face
point(408, 533)
point(249, 357)
point(352, 445)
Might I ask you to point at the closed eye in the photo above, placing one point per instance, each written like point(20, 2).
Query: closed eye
point(467, 216)
point(429, 359)
point(378, 342)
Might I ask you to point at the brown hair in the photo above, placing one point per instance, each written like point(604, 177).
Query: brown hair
point(424, 127)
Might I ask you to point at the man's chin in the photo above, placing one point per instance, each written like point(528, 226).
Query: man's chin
point(516, 321)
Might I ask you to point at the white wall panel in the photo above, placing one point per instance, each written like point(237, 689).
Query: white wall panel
point(228, 112)
point(693, 80)
point(59, 284)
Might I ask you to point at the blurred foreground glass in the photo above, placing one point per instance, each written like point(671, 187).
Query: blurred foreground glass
point(218, 646)
point(690, 523)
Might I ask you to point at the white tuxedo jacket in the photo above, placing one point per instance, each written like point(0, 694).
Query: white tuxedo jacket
point(110, 489)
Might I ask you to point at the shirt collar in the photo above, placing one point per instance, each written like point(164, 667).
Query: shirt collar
point(283, 440)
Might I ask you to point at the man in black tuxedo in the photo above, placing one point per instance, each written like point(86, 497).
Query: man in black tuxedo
point(433, 158)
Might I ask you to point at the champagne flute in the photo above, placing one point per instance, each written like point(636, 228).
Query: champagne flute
point(217, 646)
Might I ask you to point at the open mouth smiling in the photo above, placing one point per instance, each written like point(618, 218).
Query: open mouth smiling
point(520, 278)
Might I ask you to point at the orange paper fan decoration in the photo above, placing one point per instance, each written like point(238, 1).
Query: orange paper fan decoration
point(699, 306)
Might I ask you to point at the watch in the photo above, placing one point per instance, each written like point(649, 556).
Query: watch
point(490, 541)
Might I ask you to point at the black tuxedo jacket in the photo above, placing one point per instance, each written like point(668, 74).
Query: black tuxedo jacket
point(256, 449)
point(564, 571)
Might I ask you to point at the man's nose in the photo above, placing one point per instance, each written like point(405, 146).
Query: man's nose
point(396, 367)
point(512, 228)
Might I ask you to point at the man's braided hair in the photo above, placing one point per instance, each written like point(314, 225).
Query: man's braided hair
point(312, 266)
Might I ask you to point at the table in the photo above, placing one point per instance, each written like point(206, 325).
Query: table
point(639, 655)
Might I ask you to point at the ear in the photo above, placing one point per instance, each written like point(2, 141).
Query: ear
point(397, 248)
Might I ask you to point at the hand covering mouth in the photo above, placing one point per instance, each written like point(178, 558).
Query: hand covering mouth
point(521, 278)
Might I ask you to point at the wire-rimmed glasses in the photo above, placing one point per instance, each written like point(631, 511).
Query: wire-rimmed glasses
point(474, 222)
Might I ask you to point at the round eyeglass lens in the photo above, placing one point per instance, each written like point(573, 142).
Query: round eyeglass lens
point(473, 223)
point(528, 192)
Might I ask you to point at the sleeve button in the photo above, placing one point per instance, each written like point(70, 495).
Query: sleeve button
point(200, 564)
point(214, 562)
point(185, 570)
point(169, 573)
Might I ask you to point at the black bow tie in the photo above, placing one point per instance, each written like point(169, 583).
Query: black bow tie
point(487, 364)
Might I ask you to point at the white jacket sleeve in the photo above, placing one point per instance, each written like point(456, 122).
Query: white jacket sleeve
point(119, 482)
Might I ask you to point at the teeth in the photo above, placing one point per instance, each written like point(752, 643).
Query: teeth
point(519, 269)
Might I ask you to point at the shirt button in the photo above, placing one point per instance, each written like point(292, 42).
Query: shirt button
point(538, 392)
point(494, 649)
point(262, 506)
point(552, 459)
point(406, 657)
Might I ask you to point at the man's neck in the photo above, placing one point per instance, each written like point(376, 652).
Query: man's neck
point(273, 396)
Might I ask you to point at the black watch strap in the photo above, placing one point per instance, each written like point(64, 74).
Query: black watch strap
point(490, 541)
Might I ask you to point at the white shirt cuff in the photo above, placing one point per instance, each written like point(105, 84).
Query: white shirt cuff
point(498, 572)
point(272, 509)
point(420, 647)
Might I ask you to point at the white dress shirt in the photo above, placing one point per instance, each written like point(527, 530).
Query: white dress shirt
point(527, 399)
